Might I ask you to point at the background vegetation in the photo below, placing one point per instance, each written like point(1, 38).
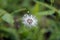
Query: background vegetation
point(47, 13)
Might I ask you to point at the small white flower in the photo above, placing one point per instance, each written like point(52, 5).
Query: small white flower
point(29, 20)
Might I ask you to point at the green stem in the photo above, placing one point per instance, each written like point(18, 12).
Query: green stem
point(46, 5)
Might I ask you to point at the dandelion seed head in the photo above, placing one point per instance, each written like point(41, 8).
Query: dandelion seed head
point(29, 20)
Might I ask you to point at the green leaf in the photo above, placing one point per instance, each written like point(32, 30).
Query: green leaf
point(3, 3)
point(8, 18)
point(49, 12)
point(35, 8)
point(2, 12)
point(9, 31)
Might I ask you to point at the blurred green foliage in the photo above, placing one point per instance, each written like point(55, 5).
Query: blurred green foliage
point(47, 13)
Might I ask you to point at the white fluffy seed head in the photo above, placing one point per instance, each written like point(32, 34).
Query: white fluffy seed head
point(29, 20)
